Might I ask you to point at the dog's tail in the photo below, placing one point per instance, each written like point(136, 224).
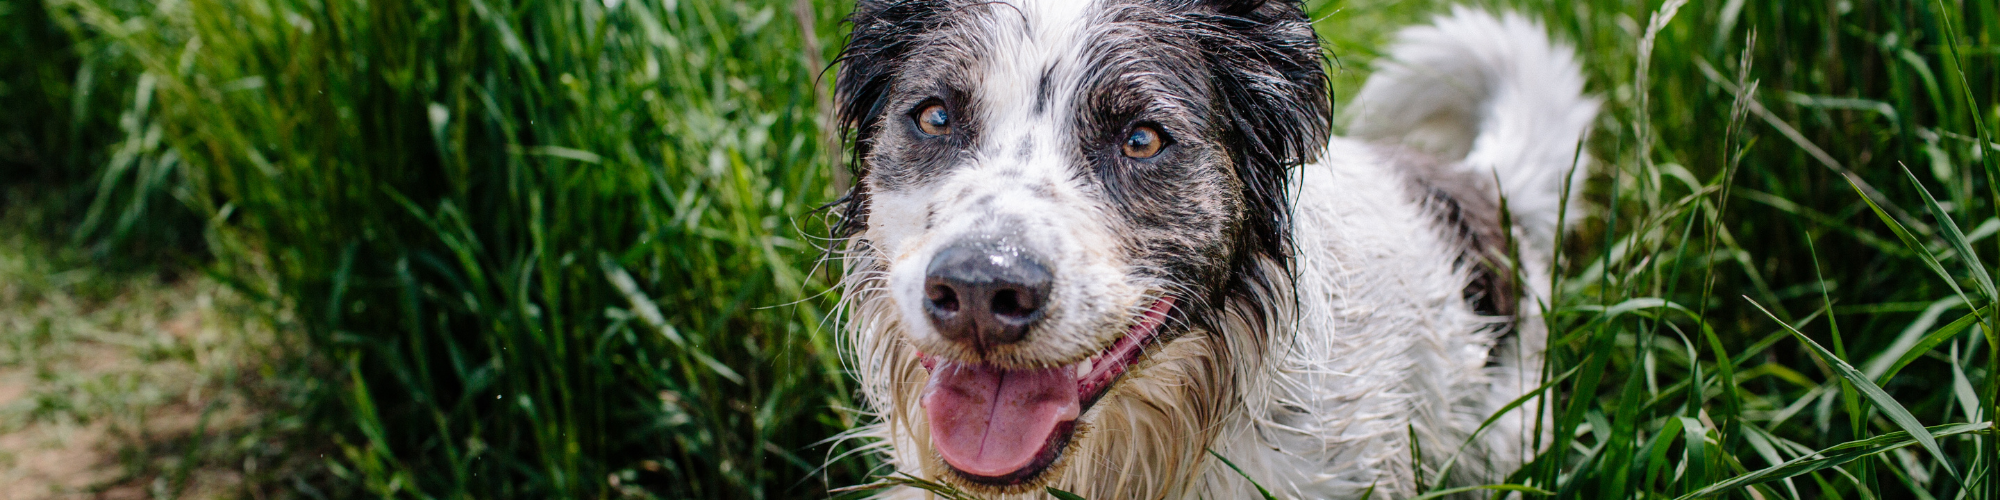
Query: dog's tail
point(1494, 91)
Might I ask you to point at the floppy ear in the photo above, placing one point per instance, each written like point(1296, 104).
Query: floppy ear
point(1272, 76)
point(1273, 102)
point(1272, 112)
point(1236, 7)
point(884, 33)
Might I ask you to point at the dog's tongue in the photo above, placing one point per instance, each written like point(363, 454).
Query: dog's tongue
point(993, 422)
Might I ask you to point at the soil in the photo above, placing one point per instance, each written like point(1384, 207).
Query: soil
point(123, 386)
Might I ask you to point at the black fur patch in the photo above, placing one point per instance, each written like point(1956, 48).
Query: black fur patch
point(1470, 215)
point(1042, 90)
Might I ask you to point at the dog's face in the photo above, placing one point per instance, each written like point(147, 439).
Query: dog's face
point(1058, 201)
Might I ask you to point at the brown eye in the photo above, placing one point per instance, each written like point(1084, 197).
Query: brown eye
point(1143, 143)
point(934, 120)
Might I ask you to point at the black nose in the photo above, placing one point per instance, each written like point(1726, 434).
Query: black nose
point(985, 292)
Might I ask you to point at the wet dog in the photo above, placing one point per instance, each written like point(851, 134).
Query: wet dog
point(1096, 244)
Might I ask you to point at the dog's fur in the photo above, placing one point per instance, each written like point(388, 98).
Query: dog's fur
point(1335, 297)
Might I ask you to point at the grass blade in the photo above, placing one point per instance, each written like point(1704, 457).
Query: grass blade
point(1062, 495)
point(1931, 341)
point(1894, 410)
point(1953, 236)
point(1445, 471)
point(946, 491)
point(1902, 233)
point(1835, 456)
point(1246, 477)
point(1486, 487)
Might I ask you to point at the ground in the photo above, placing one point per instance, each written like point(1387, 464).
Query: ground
point(135, 384)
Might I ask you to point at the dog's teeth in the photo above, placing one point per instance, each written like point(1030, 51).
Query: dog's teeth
point(1085, 367)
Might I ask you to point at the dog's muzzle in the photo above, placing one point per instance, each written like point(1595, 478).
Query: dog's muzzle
point(1005, 425)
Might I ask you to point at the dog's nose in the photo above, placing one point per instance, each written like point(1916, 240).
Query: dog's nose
point(985, 292)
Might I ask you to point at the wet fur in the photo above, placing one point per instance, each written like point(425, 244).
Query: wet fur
point(1316, 332)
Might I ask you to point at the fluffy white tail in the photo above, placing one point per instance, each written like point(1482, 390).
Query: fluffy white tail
point(1494, 91)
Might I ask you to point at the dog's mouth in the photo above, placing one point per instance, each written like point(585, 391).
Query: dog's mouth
point(1005, 426)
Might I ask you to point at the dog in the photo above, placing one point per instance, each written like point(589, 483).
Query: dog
point(1112, 247)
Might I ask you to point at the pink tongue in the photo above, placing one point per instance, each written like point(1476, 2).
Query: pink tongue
point(992, 422)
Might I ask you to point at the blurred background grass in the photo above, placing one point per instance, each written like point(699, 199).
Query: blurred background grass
point(515, 249)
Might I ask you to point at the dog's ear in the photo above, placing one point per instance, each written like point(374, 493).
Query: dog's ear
point(865, 6)
point(1271, 75)
point(1273, 102)
point(1239, 7)
point(885, 32)
point(1273, 112)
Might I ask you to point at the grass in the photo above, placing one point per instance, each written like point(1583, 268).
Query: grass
point(567, 249)
point(476, 241)
point(1734, 232)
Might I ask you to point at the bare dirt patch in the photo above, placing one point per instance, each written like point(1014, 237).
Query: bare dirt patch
point(127, 385)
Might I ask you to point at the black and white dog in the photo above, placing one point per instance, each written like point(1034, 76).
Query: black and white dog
point(1093, 244)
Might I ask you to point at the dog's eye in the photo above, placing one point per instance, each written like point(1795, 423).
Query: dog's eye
point(1143, 142)
point(934, 120)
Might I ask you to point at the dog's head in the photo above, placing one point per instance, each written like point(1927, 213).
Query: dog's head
point(1058, 199)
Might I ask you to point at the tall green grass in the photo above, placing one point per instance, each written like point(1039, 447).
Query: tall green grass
point(565, 249)
point(539, 249)
point(33, 53)
point(1760, 295)
point(1761, 256)
point(69, 131)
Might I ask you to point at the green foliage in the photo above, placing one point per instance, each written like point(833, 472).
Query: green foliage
point(1261, 492)
point(539, 249)
point(79, 134)
point(1743, 143)
point(37, 68)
